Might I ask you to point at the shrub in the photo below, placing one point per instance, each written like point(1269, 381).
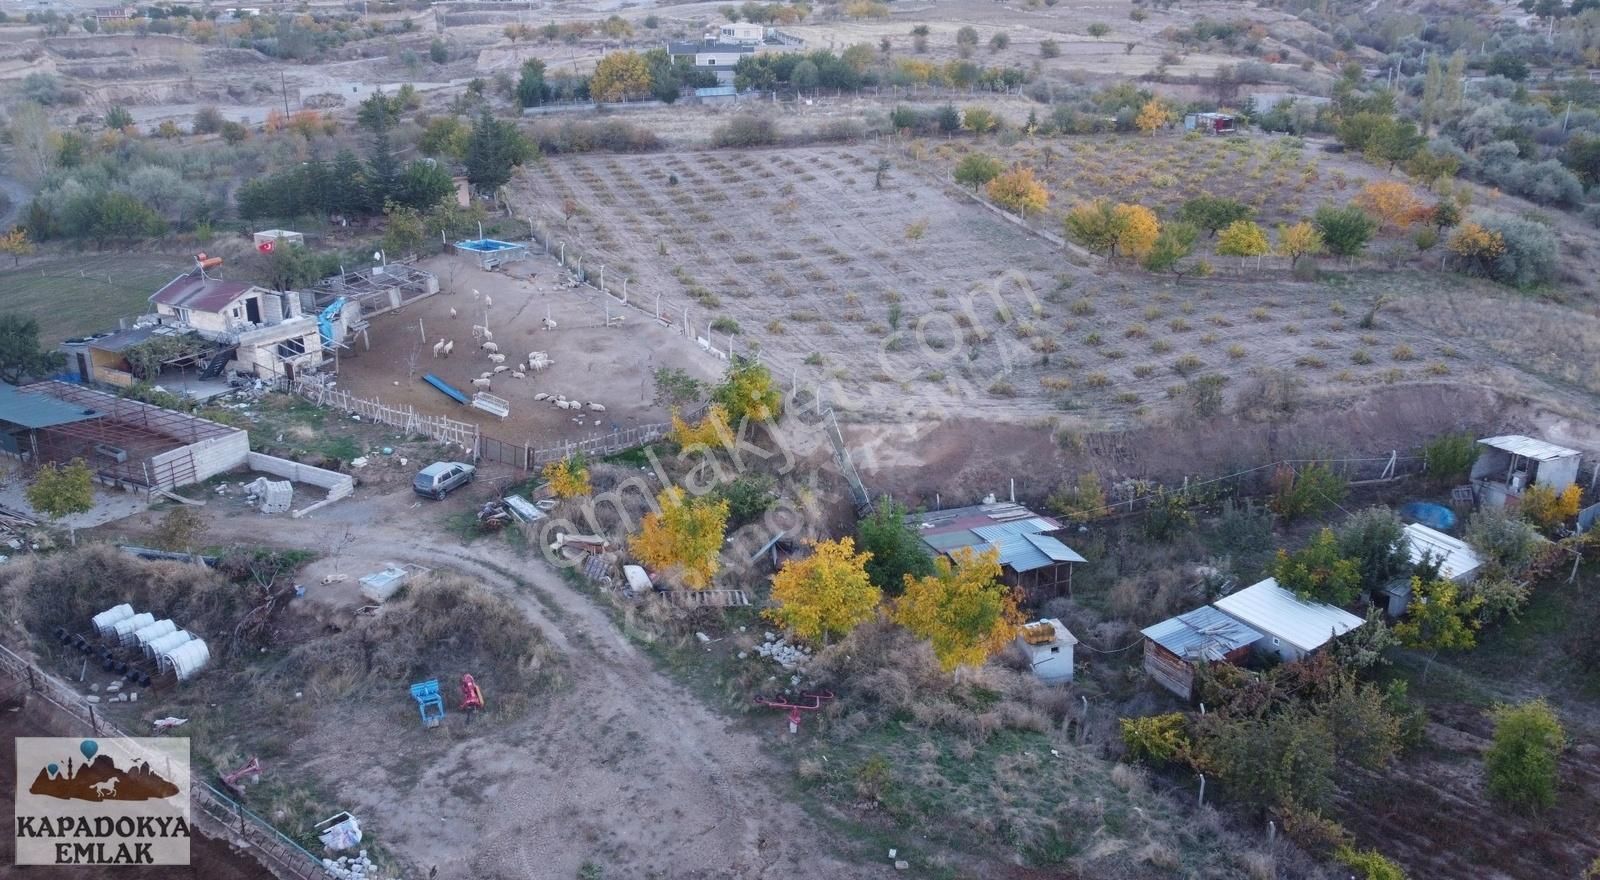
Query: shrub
point(1158, 739)
point(1369, 863)
point(1547, 508)
point(1345, 231)
point(1099, 29)
point(1375, 540)
point(1319, 571)
point(1530, 256)
point(1502, 539)
point(1308, 491)
point(1049, 49)
point(1449, 457)
point(745, 131)
point(1521, 764)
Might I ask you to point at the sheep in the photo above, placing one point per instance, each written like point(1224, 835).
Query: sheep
point(474, 294)
point(449, 347)
point(487, 336)
point(522, 368)
point(438, 347)
point(518, 374)
point(488, 301)
point(481, 383)
point(490, 347)
point(541, 396)
point(597, 407)
point(478, 330)
point(452, 311)
point(485, 374)
point(501, 369)
point(549, 324)
point(497, 358)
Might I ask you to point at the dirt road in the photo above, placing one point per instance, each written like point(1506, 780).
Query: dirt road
point(621, 767)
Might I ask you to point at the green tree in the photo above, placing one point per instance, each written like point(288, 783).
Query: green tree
point(405, 233)
point(1438, 617)
point(1306, 491)
point(58, 491)
point(1394, 143)
point(1375, 540)
point(493, 149)
point(1175, 242)
point(531, 88)
point(1243, 239)
point(20, 355)
point(1318, 572)
point(347, 185)
point(747, 392)
point(445, 137)
point(1502, 539)
point(1448, 458)
point(438, 52)
point(1213, 213)
point(896, 552)
point(118, 117)
point(977, 169)
point(1345, 231)
point(1522, 764)
point(423, 185)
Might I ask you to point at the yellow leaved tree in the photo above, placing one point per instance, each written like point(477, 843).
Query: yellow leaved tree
point(686, 535)
point(1137, 230)
point(568, 477)
point(1153, 115)
point(1019, 191)
point(747, 392)
point(620, 76)
point(15, 242)
point(1300, 240)
point(962, 608)
point(826, 594)
point(1395, 204)
point(709, 431)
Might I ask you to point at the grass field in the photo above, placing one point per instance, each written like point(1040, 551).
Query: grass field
point(99, 289)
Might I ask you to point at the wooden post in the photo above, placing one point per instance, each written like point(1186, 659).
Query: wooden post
point(94, 723)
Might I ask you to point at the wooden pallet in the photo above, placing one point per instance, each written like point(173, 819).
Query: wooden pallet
point(707, 598)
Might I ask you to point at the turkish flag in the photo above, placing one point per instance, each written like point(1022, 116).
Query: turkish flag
point(265, 247)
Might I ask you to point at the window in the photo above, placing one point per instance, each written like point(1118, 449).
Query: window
point(1055, 649)
point(1274, 641)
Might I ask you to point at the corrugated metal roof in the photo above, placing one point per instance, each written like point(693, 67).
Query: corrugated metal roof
point(1455, 557)
point(1277, 612)
point(1054, 549)
point(36, 410)
point(1008, 527)
point(1202, 634)
point(199, 293)
point(1018, 554)
point(1528, 447)
point(1030, 526)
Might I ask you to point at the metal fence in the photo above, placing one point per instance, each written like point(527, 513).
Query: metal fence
point(214, 812)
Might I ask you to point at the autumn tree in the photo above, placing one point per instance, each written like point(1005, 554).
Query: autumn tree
point(962, 608)
point(686, 534)
point(1298, 240)
point(1243, 239)
point(708, 432)
point(1549, 509)
point(620, 76)
point(1019, 191)
point(1153, 115)
point(979, 120)
point(1093, 225)
point(748, 392)
point(826, 594)
point(568, 477)
point(1137, 230)
point(58, 491)
point(1318, 571)
point(1394, 204)
point(1438, 618)
point(977, 169)
point(1479, 248)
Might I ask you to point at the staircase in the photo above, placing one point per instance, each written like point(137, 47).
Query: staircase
point(218, 362)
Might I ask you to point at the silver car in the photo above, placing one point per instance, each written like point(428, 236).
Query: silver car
point(442, 477)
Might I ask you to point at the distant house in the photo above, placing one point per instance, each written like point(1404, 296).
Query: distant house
point(103, 14)
point(1032, 559)
point(718, 57)
point(1457, 562)
point(1173, 647)
point(1290, 626)
point(1049, 645)
point(741, 33)
point(1209, 123)
point(1509, 464)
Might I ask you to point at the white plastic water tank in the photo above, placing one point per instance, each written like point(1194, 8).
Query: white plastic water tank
point(161, 645)
point(105, 619)
point(187, 659)
point(126, 627)
point(154, 631)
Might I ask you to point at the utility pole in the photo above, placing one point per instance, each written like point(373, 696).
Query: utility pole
point(283, 84)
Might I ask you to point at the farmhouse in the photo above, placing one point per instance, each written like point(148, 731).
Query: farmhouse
point(127, 443)
point(1290, 627)
point(1049, 646)
point(718, 57)
point(1457, 562)
point(1509, 464)
point(1031, 558)
point(1173, 647)
point(741, 33)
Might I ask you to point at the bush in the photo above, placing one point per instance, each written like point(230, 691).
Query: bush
point(580, 136)
point(1369, 863)
point(1530, 256)
point(1309, 491)
point(1502, 539)
point(745, 131)
point(1345, 231)
point(1449, 458)
point(1375, 540)
point(1521, 764)
point(1159, 739)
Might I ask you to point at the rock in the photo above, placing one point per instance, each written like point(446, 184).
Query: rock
point(94, 688)
point(114, 687)
point(704, 639)
point(743, 655)
point(901, 865)
point(92, 698)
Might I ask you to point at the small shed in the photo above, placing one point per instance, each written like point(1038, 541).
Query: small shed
point(1507, 465)
point(1456, 559)
point(279, 238)
point(1290, 627)
point(1173, 647)
point(1032, 558)
point(1049, 646)
point(1209, 123)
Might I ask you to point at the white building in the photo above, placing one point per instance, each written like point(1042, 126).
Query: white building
point(737, 32)
point(1049, 645)
point(1290, 626)
point(1509, 464)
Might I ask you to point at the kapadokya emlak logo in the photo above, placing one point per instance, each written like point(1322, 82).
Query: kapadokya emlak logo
point(113, 801)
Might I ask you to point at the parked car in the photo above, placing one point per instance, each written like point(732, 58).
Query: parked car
point(443, 477)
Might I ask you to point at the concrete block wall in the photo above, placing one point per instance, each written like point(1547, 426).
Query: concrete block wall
point(211, 457)
point(322, 478)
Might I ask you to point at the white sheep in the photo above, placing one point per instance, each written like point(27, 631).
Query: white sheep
point(452, 311)
point(488, 301)
point(449, 347)
point(474, 294)
point(485, 374)
point(541, 396)
point(549, 324)
point(497, 358)
point(481, 383)
point(500, 369)
point(438, 347)
point(477, 331)
point(597, 407)
point(490, 347)
point(518, 374)
point(487, 336)
point(522, 368)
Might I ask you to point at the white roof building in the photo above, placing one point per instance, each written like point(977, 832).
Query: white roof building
point(1291, 627)
point(1457, 560)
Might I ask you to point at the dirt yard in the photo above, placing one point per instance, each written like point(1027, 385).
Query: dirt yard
point(613, 366)
point(620, 767)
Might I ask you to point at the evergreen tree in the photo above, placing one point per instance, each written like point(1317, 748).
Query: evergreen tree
point(347, 185)
point(383, 171)
point(493, 149)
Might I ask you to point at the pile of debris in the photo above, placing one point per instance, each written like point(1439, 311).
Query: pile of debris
point(274, 496)
point(790, 657)
point(356, 867)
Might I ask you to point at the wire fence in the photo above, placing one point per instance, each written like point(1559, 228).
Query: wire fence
point(213, 811)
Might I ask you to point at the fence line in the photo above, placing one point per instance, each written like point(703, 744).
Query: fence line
point(224, 817)
point(441, 428)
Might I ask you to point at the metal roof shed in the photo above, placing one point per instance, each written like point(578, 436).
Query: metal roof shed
point(1204, 635)
point(1457, 562)
point(1291, 627)
point(1510, 463)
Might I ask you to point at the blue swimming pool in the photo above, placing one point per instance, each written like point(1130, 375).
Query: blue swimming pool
point(487, 245)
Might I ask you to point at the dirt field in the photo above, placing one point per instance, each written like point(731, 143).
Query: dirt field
point(209, 859)
point(610, 366)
